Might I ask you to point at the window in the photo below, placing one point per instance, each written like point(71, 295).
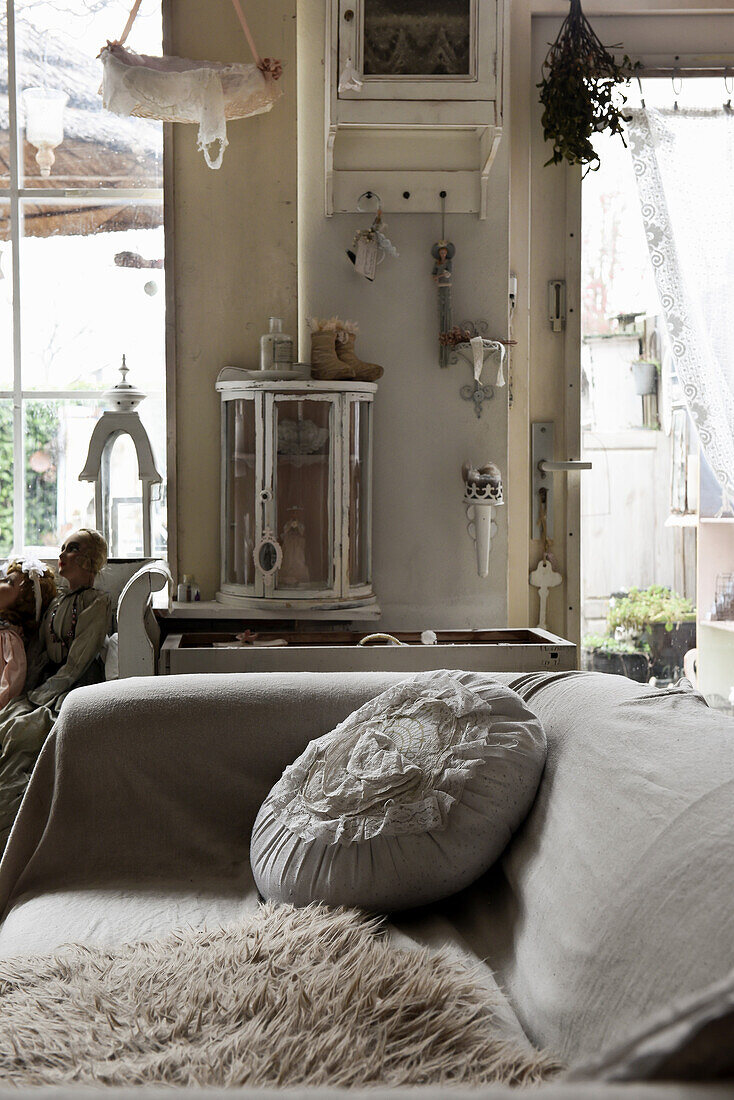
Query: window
point(81, 269)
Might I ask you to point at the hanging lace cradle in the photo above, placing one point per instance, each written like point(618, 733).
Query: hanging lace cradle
point(175, 89)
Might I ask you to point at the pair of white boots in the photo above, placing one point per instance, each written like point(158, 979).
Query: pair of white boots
point(332, 353)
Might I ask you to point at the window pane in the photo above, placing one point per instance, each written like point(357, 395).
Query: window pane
point(56, 436)
point(6, 300)
point(4, 119)
point(6, 478)
point(152, 412)
point(58, 42)
point(89, 299)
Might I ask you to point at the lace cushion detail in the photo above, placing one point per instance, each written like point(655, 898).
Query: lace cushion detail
point(409, 798)
point(396, 765)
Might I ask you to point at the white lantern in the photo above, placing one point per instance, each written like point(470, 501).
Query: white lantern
point(44, 123)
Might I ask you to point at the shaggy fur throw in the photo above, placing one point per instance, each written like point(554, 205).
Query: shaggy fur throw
point(288, 997)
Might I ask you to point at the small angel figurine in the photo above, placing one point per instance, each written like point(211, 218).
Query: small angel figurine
point(443, 253)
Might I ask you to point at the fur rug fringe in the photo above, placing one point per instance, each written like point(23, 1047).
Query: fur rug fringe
point(287, 997)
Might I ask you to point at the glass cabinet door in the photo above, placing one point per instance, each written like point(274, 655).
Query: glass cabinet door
point(440, 49)
point(240, 457)
point(359, 518)
point(303, 480)
point(399, 39)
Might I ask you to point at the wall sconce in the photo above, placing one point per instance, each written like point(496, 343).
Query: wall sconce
point(482, 493)
point(44, 123)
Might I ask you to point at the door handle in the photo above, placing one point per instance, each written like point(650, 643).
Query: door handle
point(542, 463)
point(547, 467)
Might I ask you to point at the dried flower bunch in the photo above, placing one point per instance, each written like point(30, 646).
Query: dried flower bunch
point(454, 336)
point(579, 91)
point(458, 335)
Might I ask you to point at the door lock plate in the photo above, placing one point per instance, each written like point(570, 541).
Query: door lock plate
point(541, 450)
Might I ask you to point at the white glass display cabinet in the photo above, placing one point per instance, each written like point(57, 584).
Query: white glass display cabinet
point(414, 103)
point(297, 497)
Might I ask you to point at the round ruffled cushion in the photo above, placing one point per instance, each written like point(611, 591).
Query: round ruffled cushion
point(408, 800)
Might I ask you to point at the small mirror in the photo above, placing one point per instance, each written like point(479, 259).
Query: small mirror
point(268, 556)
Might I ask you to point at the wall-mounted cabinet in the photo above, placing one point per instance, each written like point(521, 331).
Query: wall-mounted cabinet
point(413, 103)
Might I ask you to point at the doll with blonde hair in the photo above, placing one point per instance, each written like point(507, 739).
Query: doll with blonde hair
point(64, 655)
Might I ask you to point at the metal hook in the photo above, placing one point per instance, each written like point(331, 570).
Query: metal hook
point(727, 77)
point(642, 94)
point(369, 195)
point(676, 78)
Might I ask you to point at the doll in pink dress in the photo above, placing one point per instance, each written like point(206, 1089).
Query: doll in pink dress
point(26, 589)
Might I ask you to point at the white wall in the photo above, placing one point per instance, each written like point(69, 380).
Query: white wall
point(234, 258)
point(424, 563)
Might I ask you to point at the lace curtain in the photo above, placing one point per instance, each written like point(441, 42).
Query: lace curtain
point(684, 166)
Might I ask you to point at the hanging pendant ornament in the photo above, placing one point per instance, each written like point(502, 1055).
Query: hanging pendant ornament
point(370, 246)
point(443, 253)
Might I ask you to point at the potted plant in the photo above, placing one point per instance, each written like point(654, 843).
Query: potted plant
point(645, 375)
point(660, 618)
point(605, 653)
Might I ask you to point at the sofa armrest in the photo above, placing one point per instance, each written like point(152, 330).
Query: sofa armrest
point(136, 625)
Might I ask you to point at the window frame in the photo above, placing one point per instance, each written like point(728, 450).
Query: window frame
point(14, 196)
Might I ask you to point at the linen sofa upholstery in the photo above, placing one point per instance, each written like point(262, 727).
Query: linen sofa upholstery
point(609, 904)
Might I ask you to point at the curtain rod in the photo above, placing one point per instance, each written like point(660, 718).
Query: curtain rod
point(682, 70)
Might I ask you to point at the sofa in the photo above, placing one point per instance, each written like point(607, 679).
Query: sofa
point(609, 913)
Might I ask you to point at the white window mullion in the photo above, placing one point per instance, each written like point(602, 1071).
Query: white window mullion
point(16, 231)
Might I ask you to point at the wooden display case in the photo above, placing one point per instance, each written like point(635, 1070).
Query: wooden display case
point(296, 530)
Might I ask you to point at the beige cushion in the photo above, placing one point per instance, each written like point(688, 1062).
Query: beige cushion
point(408, 800)
point(616, 894)
point(692, 1040)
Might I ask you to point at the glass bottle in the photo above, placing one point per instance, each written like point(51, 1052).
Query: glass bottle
point(276, 348)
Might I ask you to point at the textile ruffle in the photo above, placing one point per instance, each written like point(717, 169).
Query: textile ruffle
point(395, 766)
point(175, 89)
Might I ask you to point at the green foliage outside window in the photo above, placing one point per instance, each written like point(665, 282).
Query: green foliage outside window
point(41, 476)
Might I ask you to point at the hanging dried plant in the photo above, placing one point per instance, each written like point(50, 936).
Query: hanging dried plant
point(579, 91)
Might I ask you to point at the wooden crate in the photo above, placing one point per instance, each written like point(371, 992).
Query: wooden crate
point(507, 650)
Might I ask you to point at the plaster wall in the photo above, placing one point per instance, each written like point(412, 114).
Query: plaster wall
point(234, 257)
point(425, 572)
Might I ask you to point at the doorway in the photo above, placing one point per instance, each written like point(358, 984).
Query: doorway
point(638, 441)
point(648, 494)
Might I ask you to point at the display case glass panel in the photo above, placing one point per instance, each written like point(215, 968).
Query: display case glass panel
point(402, 38)
point(240, 504)
point(302, 480)
point(359, 493)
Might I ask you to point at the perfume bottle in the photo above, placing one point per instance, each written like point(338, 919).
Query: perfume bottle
point(276, 349)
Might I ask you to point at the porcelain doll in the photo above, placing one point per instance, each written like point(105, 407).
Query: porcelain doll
point(293, 570)
point(66, 655)
point(26, 588)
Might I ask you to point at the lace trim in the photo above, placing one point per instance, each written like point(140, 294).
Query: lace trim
point(395, 766)
point(707, 392)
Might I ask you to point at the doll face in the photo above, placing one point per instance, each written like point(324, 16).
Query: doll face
point(442, 254)
point(10, 587)
point(75, 559)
